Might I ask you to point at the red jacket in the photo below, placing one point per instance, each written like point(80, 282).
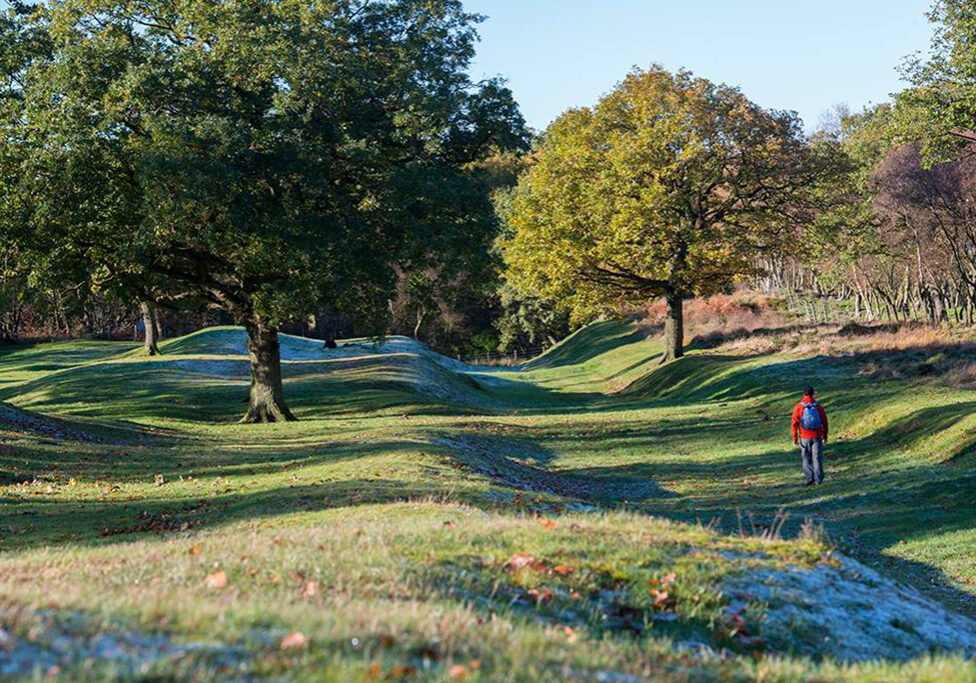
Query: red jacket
point(806, 433)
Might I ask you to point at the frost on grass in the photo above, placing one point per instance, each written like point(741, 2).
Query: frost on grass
point(233, 342)
point(849, 612)
point(222, 352)
point(63, 640)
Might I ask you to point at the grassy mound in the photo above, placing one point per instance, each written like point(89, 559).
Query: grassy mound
point(204, 376)
point(593, 515)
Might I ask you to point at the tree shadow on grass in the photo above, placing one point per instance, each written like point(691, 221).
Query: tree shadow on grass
point(208, 483)
point(44, 520)
point(40, 357)
point(516, 464)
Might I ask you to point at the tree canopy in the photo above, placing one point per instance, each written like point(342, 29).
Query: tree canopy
point(669, 186)
point(944, 80)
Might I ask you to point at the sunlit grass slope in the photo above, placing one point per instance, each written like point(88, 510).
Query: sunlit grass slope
point(576, 518)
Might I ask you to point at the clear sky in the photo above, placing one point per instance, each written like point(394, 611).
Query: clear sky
point(784, 54)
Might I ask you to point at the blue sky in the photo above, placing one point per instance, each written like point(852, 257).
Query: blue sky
point(786, 54)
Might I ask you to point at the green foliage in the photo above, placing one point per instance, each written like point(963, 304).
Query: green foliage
point(447, 288)
point(670, 184)
point(944, 92)
point(265, 158)
point(528, 321)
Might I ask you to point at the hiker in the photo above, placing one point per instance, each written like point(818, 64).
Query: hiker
point(810, 434)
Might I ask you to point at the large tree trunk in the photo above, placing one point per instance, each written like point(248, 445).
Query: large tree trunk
point(674, 328)
point(150, 345)
point(267, 401)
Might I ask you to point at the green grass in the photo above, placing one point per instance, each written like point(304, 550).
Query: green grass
point(396, 498)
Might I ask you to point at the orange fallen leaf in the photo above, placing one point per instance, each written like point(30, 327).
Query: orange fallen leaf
point(562, 570)
point(196, 550)
point(294, 641)
point(457, 672)
point(311, 588)
point(216, 581)
point(450, 524)
point(570, 634)
point(548, 524)
point(669, 579)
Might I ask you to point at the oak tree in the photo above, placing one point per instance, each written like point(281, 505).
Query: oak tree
point(270, 158)
point(669, 187)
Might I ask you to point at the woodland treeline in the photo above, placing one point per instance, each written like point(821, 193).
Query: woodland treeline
point(902, 246)
point(331, 169)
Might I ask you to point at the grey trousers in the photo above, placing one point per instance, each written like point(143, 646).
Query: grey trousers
point(812, 452)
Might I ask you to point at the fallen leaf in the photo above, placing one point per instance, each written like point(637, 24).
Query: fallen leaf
point(562, 570)
point(662, 599)
point(294, 641)
point(449, 524)
point(548, 524)
point(216, 581)
point(521, 561)
point(195, 550)
point(570, 634)
point(669, 579)
point(311, 588)
point(457, 672)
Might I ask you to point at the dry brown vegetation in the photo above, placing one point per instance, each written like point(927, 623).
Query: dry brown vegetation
point(718, 318)
point(745, 323)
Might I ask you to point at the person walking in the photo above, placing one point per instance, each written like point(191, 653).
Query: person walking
point(810, 434)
